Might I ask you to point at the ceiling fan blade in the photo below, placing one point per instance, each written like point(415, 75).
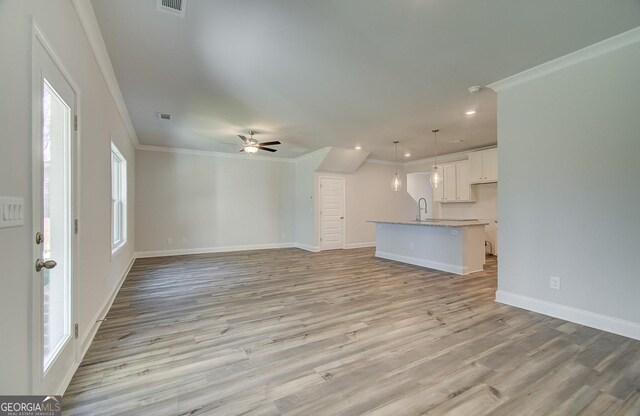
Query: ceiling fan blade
point(267, 149)
point(269, 143)
point(244, 139)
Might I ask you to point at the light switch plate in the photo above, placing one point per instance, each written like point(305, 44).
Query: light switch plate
point(11, 212)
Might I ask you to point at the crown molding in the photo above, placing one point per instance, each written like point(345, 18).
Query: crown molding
point(608, 45)
point(210, 153)
point(92, 32)
point(193, 152)
point(449, 157)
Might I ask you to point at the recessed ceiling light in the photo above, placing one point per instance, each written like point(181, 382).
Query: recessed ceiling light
point(358, 147)
point(407, 154)
point(470, 112)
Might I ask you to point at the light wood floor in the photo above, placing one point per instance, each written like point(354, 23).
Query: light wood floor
point(340, 333)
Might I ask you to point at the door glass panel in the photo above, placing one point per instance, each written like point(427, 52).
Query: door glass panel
point(115, 189)
point(56, 132)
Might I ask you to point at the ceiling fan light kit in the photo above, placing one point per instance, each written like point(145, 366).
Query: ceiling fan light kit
point(252, 145)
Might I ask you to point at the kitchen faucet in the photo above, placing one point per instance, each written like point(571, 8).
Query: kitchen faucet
point(419, 217)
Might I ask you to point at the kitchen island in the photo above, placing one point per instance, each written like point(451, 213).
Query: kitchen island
point(455, 246)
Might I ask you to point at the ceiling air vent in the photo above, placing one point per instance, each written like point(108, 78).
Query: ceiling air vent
point(164, 116)
point(175, 7)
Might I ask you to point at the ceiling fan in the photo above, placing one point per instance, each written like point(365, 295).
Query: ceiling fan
point(252, 145)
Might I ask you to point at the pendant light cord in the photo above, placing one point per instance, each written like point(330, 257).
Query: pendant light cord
point(435, 145)
point(395, 158)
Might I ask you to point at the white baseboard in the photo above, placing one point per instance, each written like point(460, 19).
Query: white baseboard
point(206, 250)
point(451, 268)
point(87, 337)
point(225, 249)
point(306, 247)
point(579, 316)
point(360, 245)
point(67, 379)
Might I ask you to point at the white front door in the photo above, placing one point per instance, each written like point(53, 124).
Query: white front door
point(331, 213)
point(54, 108)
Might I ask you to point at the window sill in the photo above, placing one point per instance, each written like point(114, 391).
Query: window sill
point(117, 249)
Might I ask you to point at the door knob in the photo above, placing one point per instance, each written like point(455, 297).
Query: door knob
point(341, 218)
point(48, 264)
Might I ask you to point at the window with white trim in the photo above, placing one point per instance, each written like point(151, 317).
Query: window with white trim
point(118, 199)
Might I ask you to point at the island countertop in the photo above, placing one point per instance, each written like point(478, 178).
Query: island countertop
point(437, 223)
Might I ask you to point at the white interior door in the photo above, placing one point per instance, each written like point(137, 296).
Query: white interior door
point(331, 213)
point(54, 110)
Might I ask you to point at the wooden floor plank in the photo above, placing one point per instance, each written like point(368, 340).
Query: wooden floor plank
point(289, 332)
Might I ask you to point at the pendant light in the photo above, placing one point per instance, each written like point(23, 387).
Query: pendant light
point(436, 176)
point(396, 182)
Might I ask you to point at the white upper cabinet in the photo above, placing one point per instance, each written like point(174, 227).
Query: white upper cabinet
point(490, 165)
point(483, 166)
point(475, 167)
point(463, 186)
point(449, 182)
point(455, 186)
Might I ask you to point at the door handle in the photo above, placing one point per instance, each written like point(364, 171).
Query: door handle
point(47, 264)
point(341, 218)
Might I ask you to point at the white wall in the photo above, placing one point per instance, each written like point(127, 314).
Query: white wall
point(306, 199)
point(368, 197)
point(218, 202)
point(206, 202)
point(570, 190)
point(98, 273)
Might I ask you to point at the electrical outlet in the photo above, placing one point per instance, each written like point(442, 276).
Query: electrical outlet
point(184, 239)
point(454, 232)
point(411, 246)
point(554, 283)
point(169, 241)
point(284, 235)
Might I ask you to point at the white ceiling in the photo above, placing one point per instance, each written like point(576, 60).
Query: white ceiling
point(337, 72)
